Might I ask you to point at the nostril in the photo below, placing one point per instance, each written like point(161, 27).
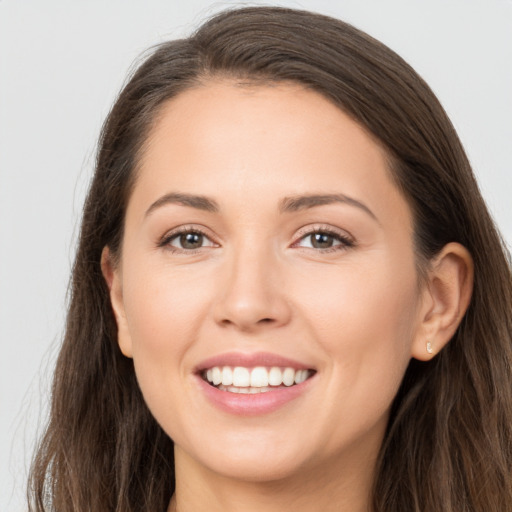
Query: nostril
point(227, 321)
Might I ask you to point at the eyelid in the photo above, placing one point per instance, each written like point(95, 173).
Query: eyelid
point(346, 239)
point(171, 234)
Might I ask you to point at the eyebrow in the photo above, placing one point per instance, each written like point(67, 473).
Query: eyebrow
point(296, 203)
point(286, 205)
point(194, 201)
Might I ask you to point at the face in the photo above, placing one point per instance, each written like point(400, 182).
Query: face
point(264, 232)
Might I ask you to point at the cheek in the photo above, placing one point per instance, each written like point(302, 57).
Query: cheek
point(355, 301)
point(162, 309)
point(363, 321)
point(364, 318)
point(161, 304)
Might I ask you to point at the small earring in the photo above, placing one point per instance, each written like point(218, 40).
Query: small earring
point(430, 350)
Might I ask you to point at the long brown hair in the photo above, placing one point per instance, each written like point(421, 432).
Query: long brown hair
point(448, 446)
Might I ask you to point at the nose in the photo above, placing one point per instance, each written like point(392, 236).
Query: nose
point(252, 295)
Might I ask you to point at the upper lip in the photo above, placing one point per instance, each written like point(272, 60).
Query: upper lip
point(251, 360)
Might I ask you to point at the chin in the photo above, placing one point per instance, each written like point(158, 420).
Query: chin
point(249, 461)
point(258, 471)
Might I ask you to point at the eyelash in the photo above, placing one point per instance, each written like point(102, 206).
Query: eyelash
point(345, 242)
point(165, 242)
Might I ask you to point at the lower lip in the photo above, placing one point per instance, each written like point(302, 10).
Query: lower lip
point(252, 404)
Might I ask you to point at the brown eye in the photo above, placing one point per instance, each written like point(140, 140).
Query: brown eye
point(324, 240)
point(188, 241)
point(321, 240)
point(191, 240)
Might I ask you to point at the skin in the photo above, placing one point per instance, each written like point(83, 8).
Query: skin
point(356, 312)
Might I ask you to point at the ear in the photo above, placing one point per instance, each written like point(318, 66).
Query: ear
point(113, 278)
point(446, 297)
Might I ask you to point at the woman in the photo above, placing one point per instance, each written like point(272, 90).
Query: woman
point(288, 292)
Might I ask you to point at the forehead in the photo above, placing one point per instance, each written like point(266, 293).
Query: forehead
point(225, 140)
point(215, 115)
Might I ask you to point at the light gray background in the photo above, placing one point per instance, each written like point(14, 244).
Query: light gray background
point(61, 65)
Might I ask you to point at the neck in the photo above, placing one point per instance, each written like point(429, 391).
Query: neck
point(342, 485)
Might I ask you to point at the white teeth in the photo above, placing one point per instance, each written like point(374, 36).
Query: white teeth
point(275, 376)
point(289, 377)
point(227, 376)
point(301, 376)
point(259, 379)
point(216, 375)
point(241, 377)
point(252, 391)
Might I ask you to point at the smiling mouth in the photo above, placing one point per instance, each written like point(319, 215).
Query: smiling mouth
point(260, 379)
